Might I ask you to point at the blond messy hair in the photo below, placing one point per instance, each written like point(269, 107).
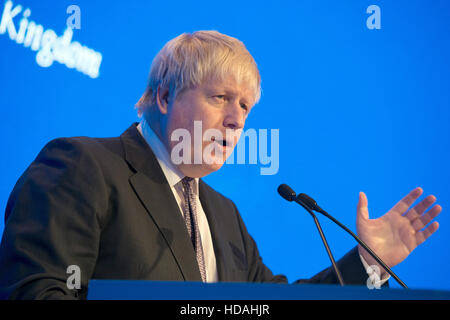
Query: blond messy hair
point(192, 58)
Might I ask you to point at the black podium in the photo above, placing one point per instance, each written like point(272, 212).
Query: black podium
point(163, 290)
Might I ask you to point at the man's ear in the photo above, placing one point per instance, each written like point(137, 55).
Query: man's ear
point(162, 99)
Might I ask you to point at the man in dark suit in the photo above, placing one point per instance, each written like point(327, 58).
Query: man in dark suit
point(128, 208)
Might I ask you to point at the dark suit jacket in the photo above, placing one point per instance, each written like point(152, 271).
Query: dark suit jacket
point(104, 205)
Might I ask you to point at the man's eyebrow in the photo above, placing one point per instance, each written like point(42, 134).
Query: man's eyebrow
point(228, 91)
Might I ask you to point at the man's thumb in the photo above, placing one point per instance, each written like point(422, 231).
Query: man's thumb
point(362, 208)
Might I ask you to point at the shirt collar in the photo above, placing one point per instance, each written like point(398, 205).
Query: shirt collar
point(171, 172)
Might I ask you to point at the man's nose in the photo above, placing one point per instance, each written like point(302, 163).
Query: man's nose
point(235, 116)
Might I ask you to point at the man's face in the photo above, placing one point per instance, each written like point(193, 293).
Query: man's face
point(214, 115)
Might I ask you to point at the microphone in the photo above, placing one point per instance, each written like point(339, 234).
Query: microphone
point(312, 204)
point(288, 194)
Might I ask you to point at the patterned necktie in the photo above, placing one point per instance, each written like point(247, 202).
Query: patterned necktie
point(190, 217)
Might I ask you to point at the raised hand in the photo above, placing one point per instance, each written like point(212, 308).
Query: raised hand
point(397, 233)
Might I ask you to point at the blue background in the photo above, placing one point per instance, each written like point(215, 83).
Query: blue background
point(357, 109)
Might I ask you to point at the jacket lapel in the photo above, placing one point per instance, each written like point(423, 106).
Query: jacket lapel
point(214, 214)
point(153, 190)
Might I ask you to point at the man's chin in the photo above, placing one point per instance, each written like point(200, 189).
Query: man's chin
point(214, 166)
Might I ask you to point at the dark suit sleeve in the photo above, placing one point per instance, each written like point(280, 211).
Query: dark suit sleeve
point(51, 222)
point(257, 270)
point(350, 266)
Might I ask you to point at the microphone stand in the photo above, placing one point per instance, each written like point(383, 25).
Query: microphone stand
point(315, 207)
point(336, 270)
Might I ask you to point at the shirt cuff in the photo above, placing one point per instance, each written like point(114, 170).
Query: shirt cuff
point(374, 274)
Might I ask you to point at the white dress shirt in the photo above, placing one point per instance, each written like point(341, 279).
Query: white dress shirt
point(174, 176)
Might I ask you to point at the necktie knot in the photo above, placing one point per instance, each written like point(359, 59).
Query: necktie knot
point(187, 181)
point(188, 187)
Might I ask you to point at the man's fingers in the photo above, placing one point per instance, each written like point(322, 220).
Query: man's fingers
point(420, 208)
point(425, 219)
point(407, 201)
point(425, 234)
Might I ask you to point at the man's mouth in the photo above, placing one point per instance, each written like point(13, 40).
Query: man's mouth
point(221, 142)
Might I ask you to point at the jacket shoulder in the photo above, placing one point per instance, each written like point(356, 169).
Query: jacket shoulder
point(82, 146)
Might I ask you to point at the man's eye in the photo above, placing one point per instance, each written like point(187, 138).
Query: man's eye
point(244, 106)
point(220, 96)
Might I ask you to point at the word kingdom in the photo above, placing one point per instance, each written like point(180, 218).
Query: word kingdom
point(48, 45)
